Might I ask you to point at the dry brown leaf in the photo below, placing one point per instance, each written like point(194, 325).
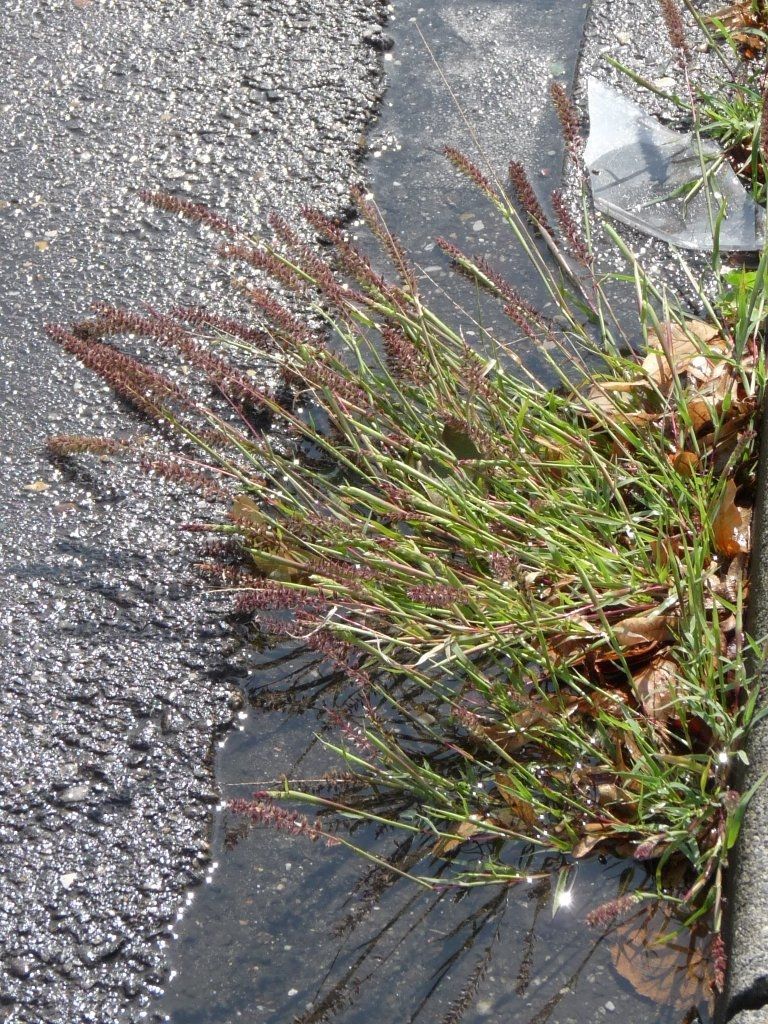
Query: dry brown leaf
point(666, 549)
point(586, 844)
point(701, 412)
point(574, 644)
point(677, 973)
point(513, 733)
point(723, 441)
point(731, 524)
point(677, 349)
point(702, 331)
point(609, 794)
point(463, 831)
point(640, 630)
point(521, 809)
point(654, 686)
point(246, 509)
point(733, 16)
point(742, 21)
point(684, 463)
point(606, 405)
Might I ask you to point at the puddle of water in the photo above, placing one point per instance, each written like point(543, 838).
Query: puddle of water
point(286, 930)
point(484, 90)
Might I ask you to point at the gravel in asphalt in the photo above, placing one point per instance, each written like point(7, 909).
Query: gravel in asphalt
point(115, 669)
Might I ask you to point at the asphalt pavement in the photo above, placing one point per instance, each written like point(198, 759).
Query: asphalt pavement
point(116, 667)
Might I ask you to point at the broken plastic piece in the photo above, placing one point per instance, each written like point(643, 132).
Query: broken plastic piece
point(650, 178)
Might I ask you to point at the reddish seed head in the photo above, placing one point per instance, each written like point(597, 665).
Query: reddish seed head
point(381, 232)
point(719, 963)
point(76, 444)
point(183, 474)
point(568, 117)
point(262, 810)
point(439, 596)
point(403, 359)
point(526, 196)
point(195, 212)
point(198, 317)
point(673, 19)
point(570, 231)
point(464, 165)
point(608, 912)
point(349, 257)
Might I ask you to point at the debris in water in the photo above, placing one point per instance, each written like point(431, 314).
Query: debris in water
point(650, 178)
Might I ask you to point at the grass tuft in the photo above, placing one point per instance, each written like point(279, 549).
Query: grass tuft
point(536, 592)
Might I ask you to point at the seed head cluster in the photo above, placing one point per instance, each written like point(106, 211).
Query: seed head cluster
point(262, 810)
point(526, 196)
point(195, 212)
point(568, 116)
point(673, 20)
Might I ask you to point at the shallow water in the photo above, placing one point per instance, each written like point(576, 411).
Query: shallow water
point(284, 929)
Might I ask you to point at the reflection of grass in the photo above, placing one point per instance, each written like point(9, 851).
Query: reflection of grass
point(535, 594)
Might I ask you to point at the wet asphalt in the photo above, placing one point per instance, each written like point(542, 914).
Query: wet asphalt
point(117, 670)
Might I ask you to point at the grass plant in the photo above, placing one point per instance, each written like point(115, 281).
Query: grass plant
point(535, 592)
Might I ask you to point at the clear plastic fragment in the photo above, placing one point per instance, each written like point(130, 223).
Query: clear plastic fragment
point(650, 178)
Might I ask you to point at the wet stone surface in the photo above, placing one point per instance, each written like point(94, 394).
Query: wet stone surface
point(484, 90)
point(116, 668)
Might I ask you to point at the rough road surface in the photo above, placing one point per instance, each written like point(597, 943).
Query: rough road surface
point(114, 667)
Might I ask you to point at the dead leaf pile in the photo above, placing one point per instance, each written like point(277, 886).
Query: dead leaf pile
point(692, 359)
point(686, 364)
point(745, 24)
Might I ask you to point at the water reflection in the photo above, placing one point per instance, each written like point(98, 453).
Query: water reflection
point(288, 930)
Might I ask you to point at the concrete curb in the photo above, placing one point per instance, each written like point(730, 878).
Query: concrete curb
point(747, 983)
point(751, 1017)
